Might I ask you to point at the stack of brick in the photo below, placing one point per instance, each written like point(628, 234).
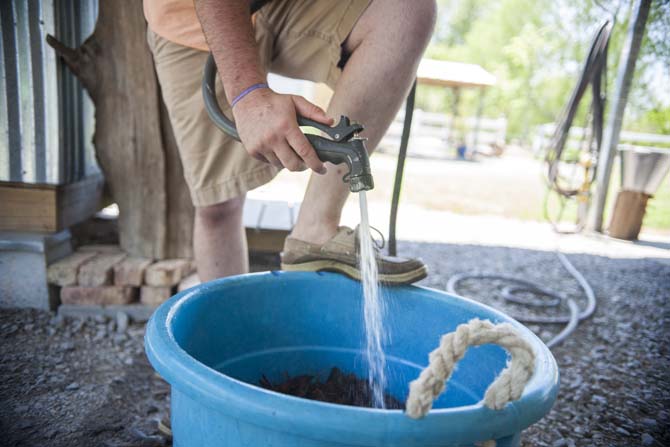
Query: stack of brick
point(161, 279)
point(103, 275)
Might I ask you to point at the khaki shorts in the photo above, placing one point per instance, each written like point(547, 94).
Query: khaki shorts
point(296, 38)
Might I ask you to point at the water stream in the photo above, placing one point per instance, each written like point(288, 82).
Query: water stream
point(373, 309)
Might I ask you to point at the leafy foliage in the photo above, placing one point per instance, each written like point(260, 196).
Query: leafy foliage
point(536, 48)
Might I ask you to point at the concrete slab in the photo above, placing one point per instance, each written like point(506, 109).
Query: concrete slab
point(139, 313)
point(23, 267)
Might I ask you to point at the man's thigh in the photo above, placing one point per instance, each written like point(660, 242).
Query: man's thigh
point(216, 167)
point(303, 38)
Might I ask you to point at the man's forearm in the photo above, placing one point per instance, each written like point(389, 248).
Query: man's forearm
point(230, 36)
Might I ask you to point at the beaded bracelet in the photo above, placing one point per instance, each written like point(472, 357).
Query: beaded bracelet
point(246, 91)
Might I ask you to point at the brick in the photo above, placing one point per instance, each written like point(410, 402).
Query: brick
point(98, 295)
point(188, 282)
point(130, 271)
point(101, 248)
point(153, 296)
point(99, 271)
point(168, 272)
point(64, 272)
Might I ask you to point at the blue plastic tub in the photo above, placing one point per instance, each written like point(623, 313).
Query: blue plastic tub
point(212, 343)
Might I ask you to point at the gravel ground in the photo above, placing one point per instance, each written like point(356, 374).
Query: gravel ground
point(615, 369)
point(68, 382)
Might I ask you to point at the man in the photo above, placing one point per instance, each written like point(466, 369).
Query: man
point(367, 51)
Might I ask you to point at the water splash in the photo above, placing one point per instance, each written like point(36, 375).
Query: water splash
point(373, 309)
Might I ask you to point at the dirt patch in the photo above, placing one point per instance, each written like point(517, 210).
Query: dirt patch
point(338, 388)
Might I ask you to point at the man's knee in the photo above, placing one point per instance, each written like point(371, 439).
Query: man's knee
point(419, 22)
point(407, 25)
point(221, 213)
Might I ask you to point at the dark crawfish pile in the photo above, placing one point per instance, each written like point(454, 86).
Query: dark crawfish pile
point(339, 388)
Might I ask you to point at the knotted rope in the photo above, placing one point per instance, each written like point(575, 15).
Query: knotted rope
point(507, 387)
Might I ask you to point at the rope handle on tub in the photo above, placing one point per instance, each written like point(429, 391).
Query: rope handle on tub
point(507, 387)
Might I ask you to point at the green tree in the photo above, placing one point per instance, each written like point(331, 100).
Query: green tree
point(535, 48)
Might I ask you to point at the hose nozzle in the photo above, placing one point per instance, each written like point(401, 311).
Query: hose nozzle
point(343, 146)
point(361, 183)
point(352, 152)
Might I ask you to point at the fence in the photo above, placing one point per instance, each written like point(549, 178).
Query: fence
point(438, 134)
point(46, 119)
point(579, 136)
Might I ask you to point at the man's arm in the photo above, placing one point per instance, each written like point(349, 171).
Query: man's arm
point(227, 27)
point(266, 121)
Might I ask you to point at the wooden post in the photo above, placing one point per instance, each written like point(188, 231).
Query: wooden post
point(453, 122)
point(133, 138)
point(628, 214)
point(608, 150)
point(478, 119)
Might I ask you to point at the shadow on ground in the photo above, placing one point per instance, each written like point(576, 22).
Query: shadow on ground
point(76, 383)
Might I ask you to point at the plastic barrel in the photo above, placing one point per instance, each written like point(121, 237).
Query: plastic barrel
point(213, 343)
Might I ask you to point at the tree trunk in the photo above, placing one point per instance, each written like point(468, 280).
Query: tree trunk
point(133, 140)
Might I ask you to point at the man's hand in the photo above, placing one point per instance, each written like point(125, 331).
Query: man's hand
point(266, 121)
point(268, 128)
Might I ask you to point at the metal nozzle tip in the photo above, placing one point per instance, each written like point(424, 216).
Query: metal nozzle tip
point(362, 182)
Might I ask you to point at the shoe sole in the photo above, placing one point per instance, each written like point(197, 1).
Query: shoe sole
point(409, 277)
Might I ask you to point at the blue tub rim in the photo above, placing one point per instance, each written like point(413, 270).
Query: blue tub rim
point(280, 412)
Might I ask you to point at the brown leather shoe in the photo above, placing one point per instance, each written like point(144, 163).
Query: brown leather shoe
point(340, 254)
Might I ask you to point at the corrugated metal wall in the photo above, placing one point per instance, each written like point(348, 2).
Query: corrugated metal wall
point(46, 118)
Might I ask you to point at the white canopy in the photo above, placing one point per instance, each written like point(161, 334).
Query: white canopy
point(453, 74)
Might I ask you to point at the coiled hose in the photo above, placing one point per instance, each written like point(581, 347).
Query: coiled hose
point(543, 298)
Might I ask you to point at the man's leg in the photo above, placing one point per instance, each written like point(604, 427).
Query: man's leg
point(217, 169)
point(385, 45)
point(219, 241)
